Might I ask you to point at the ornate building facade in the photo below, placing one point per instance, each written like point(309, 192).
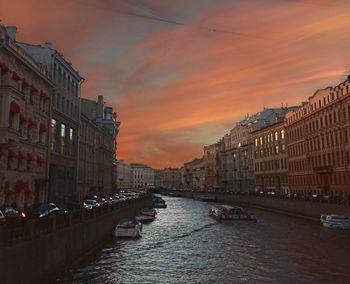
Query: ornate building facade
point(25, 92)
point(318, 143)
point(64, 125)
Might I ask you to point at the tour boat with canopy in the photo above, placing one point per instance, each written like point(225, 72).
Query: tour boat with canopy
point(223, 213)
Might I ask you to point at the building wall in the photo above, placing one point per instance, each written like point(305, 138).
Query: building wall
point(24, 117)
point(64, 122)
point(270, 159)
point(123, 175)
point(142, 176)
point(96, 150)
point(318, 143)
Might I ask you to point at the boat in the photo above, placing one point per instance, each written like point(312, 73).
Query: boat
point(159, 204)
point(223, 213)
point(128, 228)
point(144, 218)
point(335, 221)
point(207, 198)
point(149, 211)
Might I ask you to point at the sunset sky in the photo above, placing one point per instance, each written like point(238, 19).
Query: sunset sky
point(181, 73)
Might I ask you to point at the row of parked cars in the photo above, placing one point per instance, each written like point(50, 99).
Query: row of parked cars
point(40, 210)
point(94, 201)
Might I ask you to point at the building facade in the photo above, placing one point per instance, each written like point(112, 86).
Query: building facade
point(123, 175)
point(318, 143)
point(105, 117)
point(194, 174)
point(25, 91)
point(64, 125)
point(270, 159)
point(212, 162)
point(96, 160)
point(142, 176)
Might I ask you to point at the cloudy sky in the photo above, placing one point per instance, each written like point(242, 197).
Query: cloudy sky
point(180, 73)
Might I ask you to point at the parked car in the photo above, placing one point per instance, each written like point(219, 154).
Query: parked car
point(90, 204)
point(12, 215)
point(2, 218)
point(40, 210)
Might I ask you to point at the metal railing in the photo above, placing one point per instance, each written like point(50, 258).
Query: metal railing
point(15, 232)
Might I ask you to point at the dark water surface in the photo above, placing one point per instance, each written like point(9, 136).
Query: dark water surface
point(184, 245)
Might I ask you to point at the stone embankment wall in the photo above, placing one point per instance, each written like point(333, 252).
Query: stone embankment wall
point(43, 249)
point(302, 208)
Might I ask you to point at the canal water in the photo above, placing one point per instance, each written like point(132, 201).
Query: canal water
point(184, 245)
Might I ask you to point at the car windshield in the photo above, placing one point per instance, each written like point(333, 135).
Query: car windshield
point(90, 202)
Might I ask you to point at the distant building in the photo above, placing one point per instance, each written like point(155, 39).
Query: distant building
point(96, 163)
point(106, 118)
point(64, 121)
point(142, 176)
point(194, 175)
point(25, 92)
point(123, 175)
point(238, 148)
point(318, 143)
point(270, 158)
point(170, 178)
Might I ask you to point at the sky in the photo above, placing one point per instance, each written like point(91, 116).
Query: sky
point(181, 73)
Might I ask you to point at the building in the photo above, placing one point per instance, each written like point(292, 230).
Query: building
point(237, 149)
point(170, 178)
point(105, 117)
point(25, 91)
point(96, 159)
point(318, 143)
point(64, 121)
point(142, 176)
point(194, 174)
point(270, 159)
point(212, 162)
point(123, 175)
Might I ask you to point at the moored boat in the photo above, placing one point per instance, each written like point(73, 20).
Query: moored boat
point(128, 228)
point(149, 211)
point(144, 218)
point(223, 213)
point(335, 221)
point(207, 198)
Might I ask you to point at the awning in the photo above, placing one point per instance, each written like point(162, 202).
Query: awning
point(15, 76)
point(22, 156)
point(12, 154)
point(43, 127)
point(4, 68)
point(40, 160)
point(14, 107)
point(30, 158)
point(33, 89)
point(44, 95)
point(25, 84)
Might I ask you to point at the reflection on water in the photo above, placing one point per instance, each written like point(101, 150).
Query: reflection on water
point(184, 245)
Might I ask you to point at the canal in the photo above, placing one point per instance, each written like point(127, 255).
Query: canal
point(184, 245)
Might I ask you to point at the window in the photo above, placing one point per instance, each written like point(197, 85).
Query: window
point(63, 138)
point(276, 135)
point(54, 133)
point(282, 134)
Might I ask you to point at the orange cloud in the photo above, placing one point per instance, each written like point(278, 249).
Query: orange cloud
point(178, 86)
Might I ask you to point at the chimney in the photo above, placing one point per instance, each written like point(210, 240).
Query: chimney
point(100, 108)
point(12, 31)
point(48, 44)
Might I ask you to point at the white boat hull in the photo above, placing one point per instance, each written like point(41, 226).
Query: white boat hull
point(144, 218)
point(336, 225)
